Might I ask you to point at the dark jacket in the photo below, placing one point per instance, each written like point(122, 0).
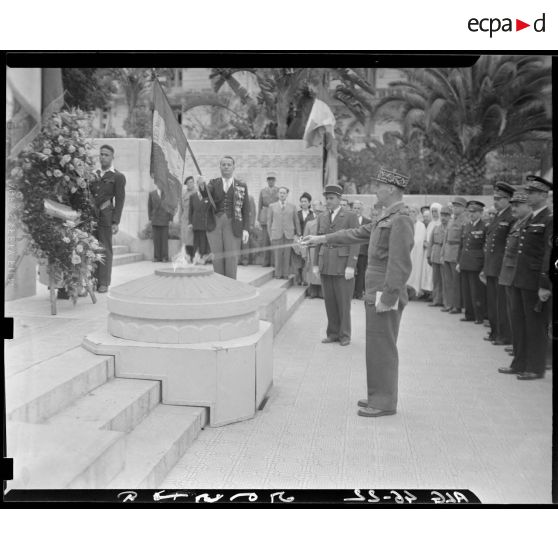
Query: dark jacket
point(471, 253)
point(363, 250)
point(198, 209)
point(157, 215)
point(235, 198)
point(109, 194)
point(509, 259)
point(391, 240)
point(332, 258)
point(311, 216)
point(533, 254)
point(496, 234)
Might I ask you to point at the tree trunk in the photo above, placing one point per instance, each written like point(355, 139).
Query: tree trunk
point(469, 176)
point(282, 111)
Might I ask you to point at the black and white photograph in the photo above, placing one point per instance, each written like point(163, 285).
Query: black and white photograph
point(281, 280)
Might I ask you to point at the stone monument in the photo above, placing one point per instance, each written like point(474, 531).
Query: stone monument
point(197, 332)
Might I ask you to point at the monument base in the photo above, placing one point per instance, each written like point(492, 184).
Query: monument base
point(231, 378)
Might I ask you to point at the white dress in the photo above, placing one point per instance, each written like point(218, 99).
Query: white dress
point(426, 281)
point(417, 256)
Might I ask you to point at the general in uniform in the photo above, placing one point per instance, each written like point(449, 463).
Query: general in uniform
point(531, 284)
point(471, 260)
point(450, 252)
point(390, 240)
point(496, 234)
point(108, 190)
point(336, 263)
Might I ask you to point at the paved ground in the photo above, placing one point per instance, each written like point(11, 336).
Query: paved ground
point(460, 424)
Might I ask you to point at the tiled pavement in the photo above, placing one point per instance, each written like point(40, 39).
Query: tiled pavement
point(460, 424)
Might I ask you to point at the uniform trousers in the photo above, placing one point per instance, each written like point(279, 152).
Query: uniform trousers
point(455, 296)
point(338, 293)
point(225, 246)
point(437, 285)
point(473, 294)
point(282, 256)
point(266, 243)
point(103, 233)
point(201, 244)
point(447, 285)
point(382, 358)
point(360, 272)
point(529, 331)
point(161, 242)
point(496, 307)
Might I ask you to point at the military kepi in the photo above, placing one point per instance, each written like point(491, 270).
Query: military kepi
point(519, 196)
point(538, 183)
point(393, 178)
point(475, 205)
point(459, 201)
point(446, 210)
point(504, 189)
point(333, 189)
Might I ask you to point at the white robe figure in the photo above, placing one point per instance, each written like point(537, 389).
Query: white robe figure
point(426, 276)
point(417, 256)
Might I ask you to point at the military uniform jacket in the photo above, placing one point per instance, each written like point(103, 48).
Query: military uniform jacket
point(533, 254)
point(496, 234)
point(509, 258)
point(471, 255)
point(452, 239)
point(267, 197)
point(363, 251)
point(158, 216)
point(434, 251)
point(197, 211)
point(391, 240)
point(108, 194)
point(332, 258)
point(234, 203)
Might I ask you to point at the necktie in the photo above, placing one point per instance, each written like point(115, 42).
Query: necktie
point(331, 216)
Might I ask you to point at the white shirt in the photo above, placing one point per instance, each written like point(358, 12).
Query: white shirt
point(102, 172)
point(360, 219)
point(227, 183)
point(536, 212)
point(334, 213)
point(305, 213)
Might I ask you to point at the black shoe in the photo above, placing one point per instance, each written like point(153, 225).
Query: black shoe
point(530, 376)
point(500, 342)
point(445, 309)
point(455, 311)
point(434, 304)
point(479, 322)
point(102, 289)
point(330, 339)
point(488, 338)
point(344, 342)
point(466, 320)
point(507, 370)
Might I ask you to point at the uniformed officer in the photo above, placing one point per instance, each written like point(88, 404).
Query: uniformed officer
point(532, 285)
point(389, 267)
point(496, 232)
point(471, 259)
point(450, 251)
point(520, 212)
point(108, 193)
point(434, 258)
point(268, 195)
point(336, 265)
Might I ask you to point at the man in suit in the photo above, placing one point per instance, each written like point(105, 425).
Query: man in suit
point(362, 261)
point(496, 233)
point(532, 285)
point(471, 260)
point(268, 195)
point(520, 212)
point(390, 240)
point(160, 219)
point(228, 217)
point(108, 190)
point(300, 253)
point(282, 226)
point(434, 258)
point(197, 220)
point(336, 265)
point(450, 252)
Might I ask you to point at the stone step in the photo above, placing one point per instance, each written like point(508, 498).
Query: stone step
point(42, 390)
point(157, 443)
point(63, 456)
point(130, 257)
point(295, 297)
point(118, 249)
point(120, 404)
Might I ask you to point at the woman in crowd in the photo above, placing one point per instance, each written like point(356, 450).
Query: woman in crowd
point(300, 253)
point(417, 253)
point(314, 284)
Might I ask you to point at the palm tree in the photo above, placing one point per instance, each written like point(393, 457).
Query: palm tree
point(465, 113)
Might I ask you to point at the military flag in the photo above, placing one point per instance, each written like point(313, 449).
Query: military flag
point(168, 150)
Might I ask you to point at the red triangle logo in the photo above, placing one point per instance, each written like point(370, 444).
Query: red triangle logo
point(519, 25)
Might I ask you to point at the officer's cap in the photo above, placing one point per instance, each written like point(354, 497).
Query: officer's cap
point(446, 210)
point(475, 205)
point(459, 201)
point(520, 196)
point(271, 174)
point(333, 189)
point(393, 178)
point(537, 183)
point(504, 189)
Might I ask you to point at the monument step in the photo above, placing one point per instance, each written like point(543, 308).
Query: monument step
point(63, 456)
point(118, 249)
point(130, 257)
point(157, 443)
point(295, 297)
point(120, 404)
point(42, 390)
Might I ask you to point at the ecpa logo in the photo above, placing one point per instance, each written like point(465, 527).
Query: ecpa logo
point(494, 24)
